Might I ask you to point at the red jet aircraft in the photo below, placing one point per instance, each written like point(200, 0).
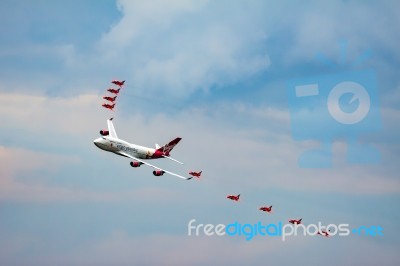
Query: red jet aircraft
point(196, 174)
point(113, 91)
point(110, 99)
point(295, 221)
point(109, 106)
point(233, 197)
point(266, 209)
point(118, 83)
point(324, 233)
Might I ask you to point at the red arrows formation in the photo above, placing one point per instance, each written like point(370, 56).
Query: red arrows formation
point(114, 91)
point(269, 210)
point(111, 106)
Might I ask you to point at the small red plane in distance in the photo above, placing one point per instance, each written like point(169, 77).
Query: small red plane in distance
point(196, 174)
point(266, 209)
point(110, 99)
point(233, 197)
point(109, 106)
point(295, 221)
point(113, 90)
point(118, 83)
point(324, 233)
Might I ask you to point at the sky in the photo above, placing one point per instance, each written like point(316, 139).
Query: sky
point(221, 75)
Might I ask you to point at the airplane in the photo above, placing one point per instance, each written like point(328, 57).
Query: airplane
point(295, 221)
point(109, 106)
point(110, 142)
point(266, 209)
point(118, 83)
point(233, 197)
point(323, 233)
point(110, 99)
point(113, 90)
point(196, 174)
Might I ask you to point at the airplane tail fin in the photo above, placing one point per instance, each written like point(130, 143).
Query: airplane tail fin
point(111, 128)
point(167, 148)
point(123, 82)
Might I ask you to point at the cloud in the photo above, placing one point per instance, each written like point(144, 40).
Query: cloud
point(18, 180)
point(319, 27)
point(238, 141)
point(120, 248)
point(205, 49)
point(232, 141)
point(25, 177)
point(40, 113)
point(174, 50)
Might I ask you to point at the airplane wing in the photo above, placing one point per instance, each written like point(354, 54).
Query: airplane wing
point(155, 167)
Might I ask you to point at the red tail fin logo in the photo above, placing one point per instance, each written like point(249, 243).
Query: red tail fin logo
point(167, 148)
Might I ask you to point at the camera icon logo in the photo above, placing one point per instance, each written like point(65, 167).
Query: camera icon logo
point(340, 105)
point(359, 92)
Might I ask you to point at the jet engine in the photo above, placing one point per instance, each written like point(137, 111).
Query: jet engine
point(136, 164)
point(158, 173)
point(104, 132)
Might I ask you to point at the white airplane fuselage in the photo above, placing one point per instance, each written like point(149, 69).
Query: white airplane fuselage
point(111, 143)
point(121, 147)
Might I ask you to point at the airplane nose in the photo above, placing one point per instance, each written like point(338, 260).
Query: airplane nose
point(96, 142)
